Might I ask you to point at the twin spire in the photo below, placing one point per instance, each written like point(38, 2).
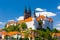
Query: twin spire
point(25, 10)
point(27, 13)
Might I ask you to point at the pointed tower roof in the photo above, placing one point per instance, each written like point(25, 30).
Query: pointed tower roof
point(25, 10)
point(29, 10)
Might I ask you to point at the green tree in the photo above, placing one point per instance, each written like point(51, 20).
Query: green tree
point(23, 26)
point(54, 30)
point(40, 24)
point(12, 28)
point(45, 34)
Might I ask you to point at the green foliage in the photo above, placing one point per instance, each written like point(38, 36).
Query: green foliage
point(40, 22)
point(15, 27)
point(26, 38)
point(54, 30)
point(23, 26)
point(54, 39)
point(45, 34)
point(12, 28)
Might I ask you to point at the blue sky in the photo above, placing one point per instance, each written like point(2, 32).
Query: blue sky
point(12, 9)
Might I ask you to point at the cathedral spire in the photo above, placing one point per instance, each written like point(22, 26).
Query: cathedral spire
point(29, 12)
point(25, 10)
point(29, 9)
point(25, 13)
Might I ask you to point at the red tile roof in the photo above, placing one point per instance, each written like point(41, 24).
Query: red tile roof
point(3, 33)
point(40, 17)
point(13, 33)
point(26, 20)
point(50, 19)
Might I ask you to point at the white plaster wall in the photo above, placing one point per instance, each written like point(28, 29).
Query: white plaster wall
point(44, 24)
point(11, 25)
point(51, 25)
point(2, 36)
point(48, 24)
point(36, 23)
point(33, 24)
point(15, 36)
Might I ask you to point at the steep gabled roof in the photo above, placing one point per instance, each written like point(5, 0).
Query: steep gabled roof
point(50, 19)
point(40, 17)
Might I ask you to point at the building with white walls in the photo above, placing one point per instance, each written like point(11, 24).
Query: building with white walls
point(32, 22)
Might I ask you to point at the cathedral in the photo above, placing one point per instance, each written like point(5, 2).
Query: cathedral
point(32, 21)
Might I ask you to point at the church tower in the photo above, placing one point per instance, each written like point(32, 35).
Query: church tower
point(29, 12)
point(25, 13)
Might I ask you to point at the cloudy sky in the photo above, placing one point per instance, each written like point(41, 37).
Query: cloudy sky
point(13, 9)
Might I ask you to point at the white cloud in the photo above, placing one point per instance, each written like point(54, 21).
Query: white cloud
point(49, 14)
point(57, 23)
point(44, 12)
point(39, 9)
point(57, 26)
point(58, 7)
point(20, 18)
point(10, 20)
point(2, 24)
point(37, 14)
